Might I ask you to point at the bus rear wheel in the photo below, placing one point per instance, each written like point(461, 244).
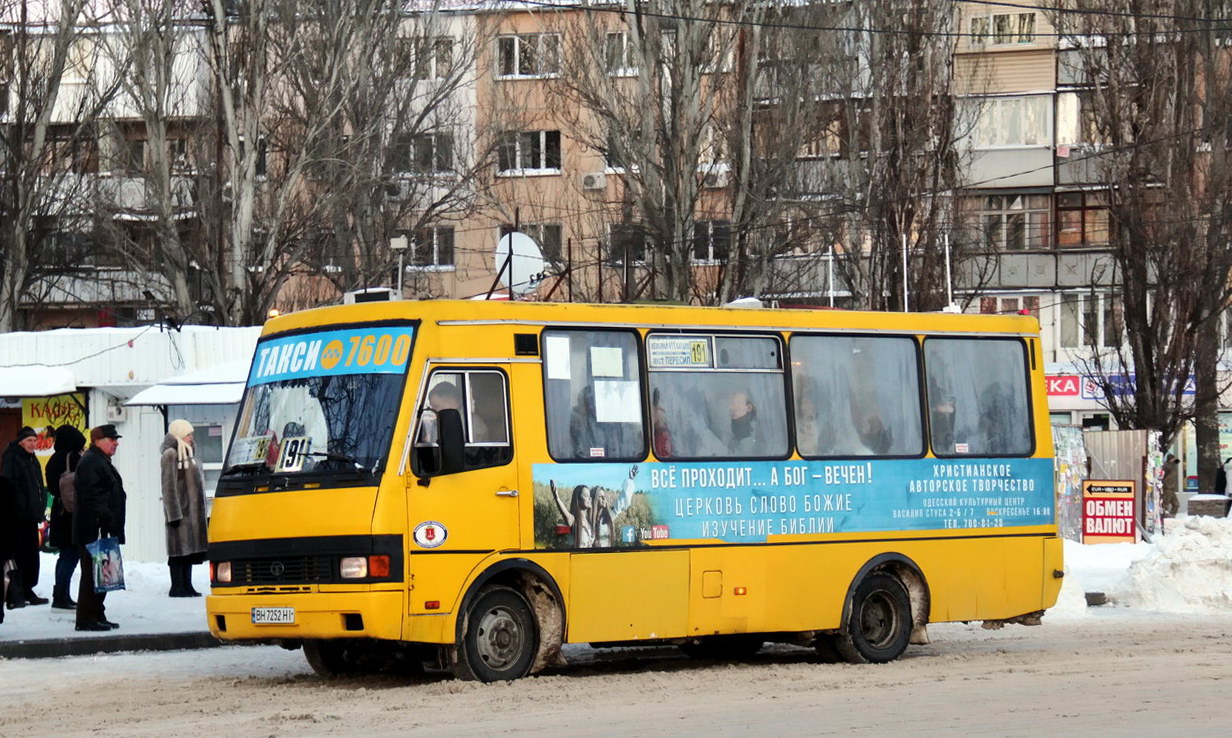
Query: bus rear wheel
point(879, 623)
point(501, 637)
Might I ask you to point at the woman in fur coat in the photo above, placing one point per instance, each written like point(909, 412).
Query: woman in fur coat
point(183, 507)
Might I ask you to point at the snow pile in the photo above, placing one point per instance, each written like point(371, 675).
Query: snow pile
point(1188, 570)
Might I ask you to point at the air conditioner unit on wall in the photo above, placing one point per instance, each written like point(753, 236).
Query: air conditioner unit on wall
point(714, 180)
point(594, 181)
point(116, 413)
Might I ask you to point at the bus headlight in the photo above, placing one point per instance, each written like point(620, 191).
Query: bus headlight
point(222, 572)
point(364, 567)
point(353, 567)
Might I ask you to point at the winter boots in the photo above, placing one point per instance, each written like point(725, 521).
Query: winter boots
point(181, 579)
point(60, 599)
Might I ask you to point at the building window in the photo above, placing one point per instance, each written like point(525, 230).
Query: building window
point(547, 235)
point(1023, 120)
point(433, 57)
point(522, 151)
point(1010, 305)
point(528, 55)
point(711, 240)
point(1009, 222)
point(1003, 28)
point(619, 56)
point(1082, 218)
point(628, 241)
point(423, 153)
point(432, 247)
point(1086, 320)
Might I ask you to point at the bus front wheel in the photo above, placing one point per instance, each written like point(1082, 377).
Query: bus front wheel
point(879, 623)
point(500, 639)
point(329, 658)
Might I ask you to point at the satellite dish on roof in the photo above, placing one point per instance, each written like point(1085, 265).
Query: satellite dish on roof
point(523, 271)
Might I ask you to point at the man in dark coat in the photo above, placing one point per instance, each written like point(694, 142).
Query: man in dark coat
point(24, 475)
point(69, 445)
point(100, 512)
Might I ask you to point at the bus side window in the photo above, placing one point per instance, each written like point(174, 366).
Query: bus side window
point(593, 395)
point(464, 423)
point(856, 396)
point(978, 403)
point(717, 396)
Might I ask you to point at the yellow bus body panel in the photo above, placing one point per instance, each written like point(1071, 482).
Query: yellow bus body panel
point(684, 589)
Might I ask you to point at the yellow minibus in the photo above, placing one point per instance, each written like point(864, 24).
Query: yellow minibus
point(472, 485)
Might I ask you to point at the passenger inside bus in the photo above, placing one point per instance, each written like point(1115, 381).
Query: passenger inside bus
point(745, 439)
point(593, 438)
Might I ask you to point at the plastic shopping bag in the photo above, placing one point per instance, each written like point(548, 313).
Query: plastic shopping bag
point(108, 566)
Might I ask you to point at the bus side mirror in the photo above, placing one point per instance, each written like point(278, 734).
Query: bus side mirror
point(451, 440)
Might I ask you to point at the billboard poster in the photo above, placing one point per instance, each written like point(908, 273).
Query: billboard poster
point(1108, 511)
point(624, 504)
point(44, 414)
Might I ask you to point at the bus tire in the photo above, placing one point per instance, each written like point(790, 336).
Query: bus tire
point(878, 623)
point(329, 658)
point(501, 637)
point(726, 647)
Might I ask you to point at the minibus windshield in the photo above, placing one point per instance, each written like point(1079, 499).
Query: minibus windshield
point(321, 403)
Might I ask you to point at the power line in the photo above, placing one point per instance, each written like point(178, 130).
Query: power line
point(738, 22)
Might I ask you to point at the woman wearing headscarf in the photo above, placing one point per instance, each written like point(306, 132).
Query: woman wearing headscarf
point(70, 442)
point(183, 507)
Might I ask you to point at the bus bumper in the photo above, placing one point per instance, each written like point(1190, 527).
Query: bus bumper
point(312, 615)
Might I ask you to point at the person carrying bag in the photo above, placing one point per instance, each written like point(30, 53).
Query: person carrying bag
point(101, 502)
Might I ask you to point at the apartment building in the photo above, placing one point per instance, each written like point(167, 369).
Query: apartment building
point(531, 158)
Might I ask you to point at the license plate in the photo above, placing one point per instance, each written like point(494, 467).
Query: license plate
point(273, 616)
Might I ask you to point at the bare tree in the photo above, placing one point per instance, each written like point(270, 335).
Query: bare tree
point(898, 128)
point(51, 92)
point(648, 86)
point(399, 155)
point(1156, 102)
point(149, 140)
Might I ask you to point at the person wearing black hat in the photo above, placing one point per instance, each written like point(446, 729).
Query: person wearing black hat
point(23, 476)
point(100, 512)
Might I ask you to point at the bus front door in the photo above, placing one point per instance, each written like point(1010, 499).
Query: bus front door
point(462, 513)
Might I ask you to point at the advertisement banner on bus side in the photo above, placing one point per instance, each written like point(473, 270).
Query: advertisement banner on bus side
point(625, 504)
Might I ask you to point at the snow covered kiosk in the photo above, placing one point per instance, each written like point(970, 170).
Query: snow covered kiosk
point(86, 377)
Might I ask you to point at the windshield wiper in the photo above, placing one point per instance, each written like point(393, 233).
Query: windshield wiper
point(335, 457)
point(248, 469)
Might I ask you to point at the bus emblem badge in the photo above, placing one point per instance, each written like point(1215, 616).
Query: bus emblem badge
point(430, 534)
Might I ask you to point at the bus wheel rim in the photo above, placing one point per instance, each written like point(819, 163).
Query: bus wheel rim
point(499, 639)
point(879, 619)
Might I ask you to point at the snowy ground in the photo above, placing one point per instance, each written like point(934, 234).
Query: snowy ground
point(1152, 661)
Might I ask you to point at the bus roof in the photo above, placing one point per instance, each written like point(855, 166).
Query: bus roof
point(539, 314)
